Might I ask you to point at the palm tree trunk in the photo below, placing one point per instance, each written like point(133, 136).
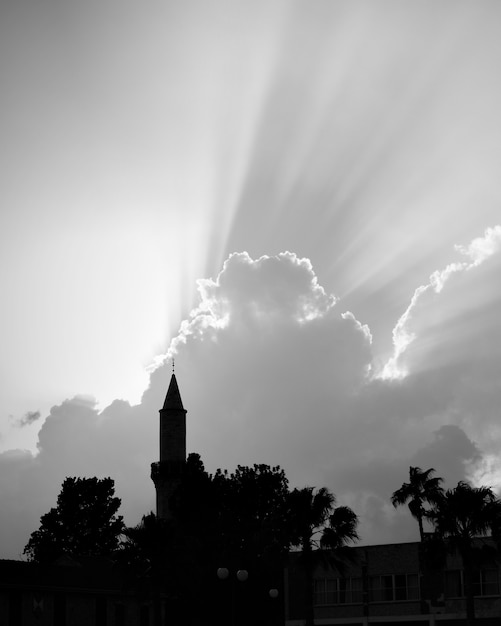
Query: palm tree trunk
point(308, 590)
point(468, 587)
point(421, 529)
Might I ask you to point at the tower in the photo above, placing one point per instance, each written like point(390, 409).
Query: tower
point(166, 473)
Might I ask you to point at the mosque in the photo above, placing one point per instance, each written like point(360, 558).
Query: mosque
point(387, 585)
point(384, 584)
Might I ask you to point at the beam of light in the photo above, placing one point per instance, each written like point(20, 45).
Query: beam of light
point(123, 163)
point(351, 134)
point(374, 151)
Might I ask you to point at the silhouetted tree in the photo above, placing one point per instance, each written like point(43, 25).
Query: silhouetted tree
point(144, 545)
point(246, 519)
point(160, 557)
point(422, 488)
point(84, 522)
point(234, 520)
point(250, 518)
point(460, 515)
point(251, 509)
point(194, 499)
point(315, 522)
point(236, 515)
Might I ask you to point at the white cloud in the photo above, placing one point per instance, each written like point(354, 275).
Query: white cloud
point(240, 296)
point(431, 316)
point(481, 248)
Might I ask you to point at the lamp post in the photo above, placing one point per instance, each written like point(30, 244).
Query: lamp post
point(273, 607)
point(241, 576)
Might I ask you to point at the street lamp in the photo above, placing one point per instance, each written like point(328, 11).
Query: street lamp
point(241, 575)
point(273, 607)
point(224, 572)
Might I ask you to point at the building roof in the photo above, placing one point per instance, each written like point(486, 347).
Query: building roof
point(173, 398)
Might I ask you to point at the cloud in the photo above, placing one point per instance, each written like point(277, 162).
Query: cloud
point(77, 440)
point(273, 370)
point(455, 335)
point(451, 450)
point(240, 297)
point(436, 319)
point(29, 418)
point(302, 395)
point(367, 486)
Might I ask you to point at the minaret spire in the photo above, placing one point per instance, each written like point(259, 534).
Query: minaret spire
point(167, 473)
point(173, 397)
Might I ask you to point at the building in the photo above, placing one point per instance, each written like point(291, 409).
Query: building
point(70, 592)
point(396, 584)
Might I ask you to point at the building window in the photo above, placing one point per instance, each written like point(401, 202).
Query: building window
point(144, 615)
point(337, 591)
point(394, 588)
point(15, 608)
point(101, 611)
point(324, 591)
point(119, 615)
point(59, 610)
point(485, 583)
point(454, 583)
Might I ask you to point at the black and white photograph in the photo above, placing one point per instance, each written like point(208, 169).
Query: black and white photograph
point(250, 321)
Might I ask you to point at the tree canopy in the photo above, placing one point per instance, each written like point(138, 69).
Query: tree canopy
point(232, 520)
point(466, 512)
point(315, 522)
point(84, 522)
point(235, 517)
point(245, 519)
point(423, 488)
point(460, 516)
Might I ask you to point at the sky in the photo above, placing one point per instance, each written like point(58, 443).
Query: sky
point(299, 200)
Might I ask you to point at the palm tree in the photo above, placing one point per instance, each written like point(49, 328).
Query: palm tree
point(422, 488)
point(315, 523)
point(461, 515)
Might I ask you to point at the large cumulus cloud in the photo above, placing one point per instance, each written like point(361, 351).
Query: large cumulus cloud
point(272, 369)
point(269, 360)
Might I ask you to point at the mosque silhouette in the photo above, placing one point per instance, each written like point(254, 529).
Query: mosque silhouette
point(388, 585)
point(167, 472)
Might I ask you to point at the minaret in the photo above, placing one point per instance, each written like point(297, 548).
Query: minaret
point(166, 474)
